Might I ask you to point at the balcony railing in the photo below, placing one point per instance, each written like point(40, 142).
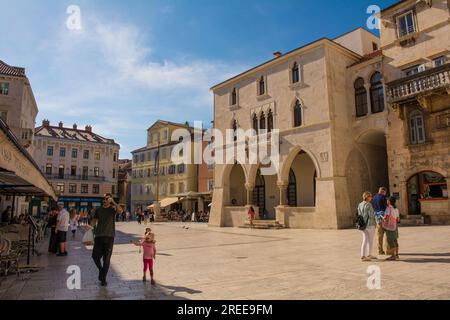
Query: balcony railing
point(74, 178)
point(424, 82)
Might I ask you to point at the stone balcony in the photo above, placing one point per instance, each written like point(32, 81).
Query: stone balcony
point(421, 84)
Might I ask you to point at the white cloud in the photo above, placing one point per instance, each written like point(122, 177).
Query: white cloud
point(108, 76)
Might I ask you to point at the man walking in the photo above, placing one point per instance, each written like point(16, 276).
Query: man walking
point(62, 226)
point(104, 217)
point(379, 204)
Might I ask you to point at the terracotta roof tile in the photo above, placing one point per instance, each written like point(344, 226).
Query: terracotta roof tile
point(71, 134)
point(6, 69)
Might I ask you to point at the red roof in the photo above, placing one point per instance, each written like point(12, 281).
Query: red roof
point(6, 69)
point(368, 57)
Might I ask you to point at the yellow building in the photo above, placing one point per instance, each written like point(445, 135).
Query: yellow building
point(155, 177)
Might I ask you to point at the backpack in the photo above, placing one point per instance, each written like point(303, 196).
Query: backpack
point(360, 223)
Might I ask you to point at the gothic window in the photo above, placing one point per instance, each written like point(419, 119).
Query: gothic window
point(298, 121)
point(360, 98)
point(376, 93)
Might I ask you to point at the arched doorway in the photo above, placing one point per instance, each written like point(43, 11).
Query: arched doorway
point(425, 186)
point(259, 192)
point(237, 192)
point(302, 181)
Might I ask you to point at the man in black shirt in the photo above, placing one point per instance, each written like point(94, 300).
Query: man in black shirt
point(105, 218)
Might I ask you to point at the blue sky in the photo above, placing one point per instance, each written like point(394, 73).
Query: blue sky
point(137, 61)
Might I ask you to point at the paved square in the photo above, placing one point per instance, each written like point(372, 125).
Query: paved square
point(228, 263)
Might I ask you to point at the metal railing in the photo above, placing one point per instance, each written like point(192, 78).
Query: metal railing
point(74, 177)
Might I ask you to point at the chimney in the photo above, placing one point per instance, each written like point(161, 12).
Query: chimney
point(277, 54)
point(61, 124)
point(45, 123)
point(75, 126)
point(88, 128)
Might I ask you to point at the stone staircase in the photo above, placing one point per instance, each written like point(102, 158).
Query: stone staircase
point(263, 224)
point(414, 220)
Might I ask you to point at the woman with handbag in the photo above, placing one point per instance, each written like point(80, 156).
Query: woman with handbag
point(390, 224)
point(367, 226)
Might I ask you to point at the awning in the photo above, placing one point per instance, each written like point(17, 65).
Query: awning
point(165, 203)
point(19, 173)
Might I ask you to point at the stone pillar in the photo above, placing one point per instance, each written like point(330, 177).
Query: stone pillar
point(249, 187)
point(282, 186)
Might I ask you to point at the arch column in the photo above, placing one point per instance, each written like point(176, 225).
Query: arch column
point(249, 187)
point(282, 187)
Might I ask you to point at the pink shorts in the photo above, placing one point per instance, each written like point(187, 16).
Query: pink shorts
point(148, 264)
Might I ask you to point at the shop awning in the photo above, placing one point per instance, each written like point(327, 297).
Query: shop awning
point(165, 203)
point(19, 173)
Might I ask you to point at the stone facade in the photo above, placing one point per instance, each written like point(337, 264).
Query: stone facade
point(18, 109)
point(417, 73)
point(334, 143)
point(81, 165)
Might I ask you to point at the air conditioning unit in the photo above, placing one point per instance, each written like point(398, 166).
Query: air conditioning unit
point(421, 68)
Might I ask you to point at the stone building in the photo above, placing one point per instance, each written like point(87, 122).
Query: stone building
point(18, 109)
point(81, 165)
point(338, 135)
point(156, 178)
point(415, 39)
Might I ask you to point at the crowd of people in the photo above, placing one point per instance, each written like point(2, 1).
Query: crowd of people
point(187, 215)
point(379, 215)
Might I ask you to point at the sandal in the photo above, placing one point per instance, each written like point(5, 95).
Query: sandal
point(391, 258)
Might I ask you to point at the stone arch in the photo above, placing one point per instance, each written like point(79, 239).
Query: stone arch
point(283, 175)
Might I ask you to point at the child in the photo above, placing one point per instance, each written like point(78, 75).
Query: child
point(149, 248)
point(391, 219)
point(73, 222)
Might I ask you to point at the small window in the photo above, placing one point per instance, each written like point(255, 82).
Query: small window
point(374, 46)
point(97, 156)
point(73, 171)
point(4, 116)
point(295, 73)
point(270, 121)
point(181, 168)
point(61, 172)
point(48, 169)
point(416, 127)
point(234, 97)
point(405, 24)
point(172, 188)
point(261, 86)
point(114, 173)
point(360, 98)
point(255, 122)
point(376, 93)
point(262, 121)
point(298, 118)
point(74, 153)
point(440, 61)
point(62, 152)
point(84, 188)
point(412, 70)
point(60, 187)
point(95, 188)
point(4, 88)
point(97, 172)
point(85, 173)
point(86, 154)
point(113, 189)
point(50, 151)
point(72, 188)
point(114, 157)
point(235, 127)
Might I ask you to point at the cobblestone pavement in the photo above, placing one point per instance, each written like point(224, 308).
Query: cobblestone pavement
point(229, 263)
